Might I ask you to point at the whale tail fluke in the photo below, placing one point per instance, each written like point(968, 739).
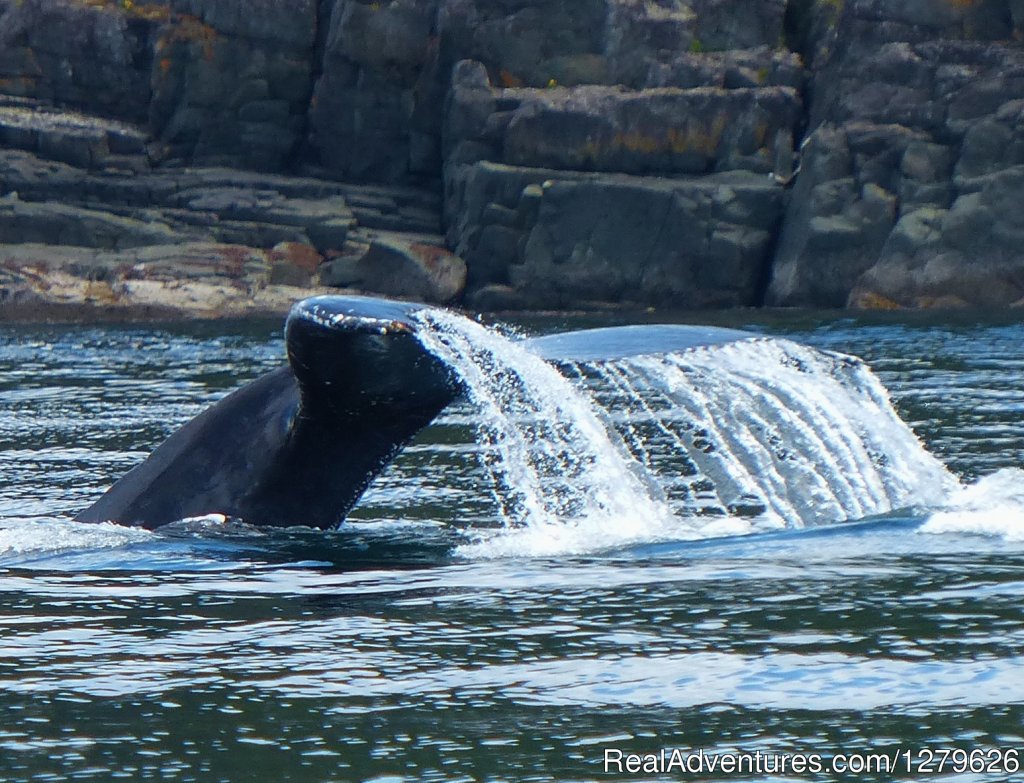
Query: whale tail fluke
point(299, 445)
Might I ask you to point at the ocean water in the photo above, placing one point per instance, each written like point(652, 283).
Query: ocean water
point(466, 624)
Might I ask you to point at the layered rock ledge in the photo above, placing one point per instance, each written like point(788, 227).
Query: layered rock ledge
point(223, 157)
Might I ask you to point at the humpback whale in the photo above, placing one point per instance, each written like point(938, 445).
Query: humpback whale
point(299, 445)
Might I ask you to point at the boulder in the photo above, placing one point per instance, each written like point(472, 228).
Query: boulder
point(566, 239)
point(401, 267)
point(969, 255)
point(294, 263)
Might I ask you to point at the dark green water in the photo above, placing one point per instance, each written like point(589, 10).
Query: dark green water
point(377, 653)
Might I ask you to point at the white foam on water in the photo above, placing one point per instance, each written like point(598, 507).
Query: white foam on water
point(992, 506)
point(777, 435)
point(49, 536)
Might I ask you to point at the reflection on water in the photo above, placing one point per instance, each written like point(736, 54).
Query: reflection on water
point(380, 651)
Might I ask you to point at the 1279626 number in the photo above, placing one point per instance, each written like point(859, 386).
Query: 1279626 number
point(961, 760)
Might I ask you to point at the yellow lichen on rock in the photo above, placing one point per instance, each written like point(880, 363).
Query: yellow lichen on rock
point(150, 11)
point(192, 30)
point(870, 300)
point(695, 137)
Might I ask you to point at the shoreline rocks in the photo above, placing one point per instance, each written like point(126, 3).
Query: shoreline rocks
point(528, 154)
point(194, 280)
point(207, 242)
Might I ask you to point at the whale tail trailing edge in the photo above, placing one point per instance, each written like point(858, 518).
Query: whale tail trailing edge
point(623, 342)
point(299, 445)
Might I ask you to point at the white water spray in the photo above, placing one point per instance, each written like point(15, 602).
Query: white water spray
point(750, 435)
point(808, 436)
point(557, 471)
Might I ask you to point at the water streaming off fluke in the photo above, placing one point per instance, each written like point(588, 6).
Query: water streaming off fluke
point(811, 437)
point(747, 435)
point(544, 443)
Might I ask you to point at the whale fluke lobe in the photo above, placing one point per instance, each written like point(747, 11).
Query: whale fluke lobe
point(299, 445)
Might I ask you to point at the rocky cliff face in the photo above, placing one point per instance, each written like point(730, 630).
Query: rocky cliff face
point(523, 153)
point(910, 165)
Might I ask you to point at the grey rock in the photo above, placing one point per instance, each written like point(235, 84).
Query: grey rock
point(58, 224)
point(251, 234)
point(584, 239)
point(914, 232)
point(553, 125)
point(836, 234)
point(840, 215)
point(470, 75)
point(191, 280)
point(522, 42)
point(272, 113)
point(926, 162)
point(532, 43)
point(971, 255)
point(84, 149)
point(329, 234)
point(267, 206)
point(293, 263)
point(242, 209)
point(410, 269)
point(915, 115)
point(71, 137)
point(379, 35)
point(967, 222)
point(376, 107)
point(497, 298)
point(496, 249)
point(665, 130)
point(288, 25)
point(641, 34)
point(501, 216)
point(983, 149)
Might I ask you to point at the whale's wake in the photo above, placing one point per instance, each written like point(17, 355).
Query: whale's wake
point(751, 435)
